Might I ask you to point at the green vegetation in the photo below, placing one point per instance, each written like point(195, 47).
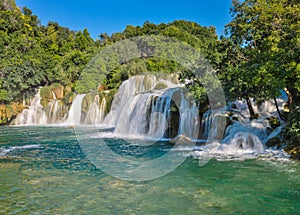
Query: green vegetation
point(259, 57)
point(262, 55)
point(33, 55)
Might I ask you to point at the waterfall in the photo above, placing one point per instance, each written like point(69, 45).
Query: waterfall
point(245, 141)
point(74, 116)
point(143, 106)
point(53, 108)
point(96, 111)
point(242, 145)
point(34, 115)
point(56, 112)
point(214, 124)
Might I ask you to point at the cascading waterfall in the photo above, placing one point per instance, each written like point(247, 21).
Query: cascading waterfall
point(213, 123)
point(53, 108)
point(74, 116)
point(151, 107)
point(56, 112)
point(246, 136)
point(245, 141)
point(96, 112)
point(142, 107)
point(34, 115)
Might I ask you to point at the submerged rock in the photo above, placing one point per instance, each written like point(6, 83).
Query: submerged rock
point(181, 139)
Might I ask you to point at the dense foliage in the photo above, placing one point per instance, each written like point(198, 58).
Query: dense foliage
point(263, 53)
point(201, 38)
point(259, 57)
point(33, 55)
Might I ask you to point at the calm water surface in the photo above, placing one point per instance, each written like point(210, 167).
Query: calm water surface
point(43, 170)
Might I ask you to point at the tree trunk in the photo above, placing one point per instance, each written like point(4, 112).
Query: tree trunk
point(278, 111)
point(252, 114)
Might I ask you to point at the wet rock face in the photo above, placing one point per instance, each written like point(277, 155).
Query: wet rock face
point(293, 150)
point(274, 142)
point(46, 93)
point(58, 90)
point(54, 91)
point(9, 112)
point(173, 125)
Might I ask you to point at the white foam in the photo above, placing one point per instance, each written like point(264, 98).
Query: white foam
point(5, 151)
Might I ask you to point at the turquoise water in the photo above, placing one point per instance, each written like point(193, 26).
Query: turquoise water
point(43, 170)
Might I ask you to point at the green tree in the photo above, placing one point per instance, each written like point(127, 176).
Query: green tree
point(265, 40)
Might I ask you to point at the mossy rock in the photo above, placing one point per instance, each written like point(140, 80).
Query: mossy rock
point(46, 93)
point(274, 122)
point(274, 142)
point(67, 89)
point(86, 102)
point(174, 78)
point(148, 82)
point(223, 121)
point(109, 96)
point(9, 112)
point(58, 90)
point(44, 103)
point(68, 98)
point(174, 109)
point(160, 85)
point(102, 88)
point(294, 151)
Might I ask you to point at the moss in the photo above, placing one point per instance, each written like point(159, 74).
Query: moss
point(44, 103)
point(58, 90)
point(9, 112)
point(67, 89)
point(294, 150)
point(160, 85)
point(68, 98)
point(274, 122)
point(109, 99)
point(86, 102)
point(46, 93)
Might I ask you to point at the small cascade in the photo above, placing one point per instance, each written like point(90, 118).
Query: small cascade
point(96, 111)
point(34, 115)
point(242, 145)
point(55, 109)
point(214, 124)
point(74, 116)
point(244, 141)
point(145, 106)
point(245, 135)
point(101, 115)
point(52, 108)
point(160, 114)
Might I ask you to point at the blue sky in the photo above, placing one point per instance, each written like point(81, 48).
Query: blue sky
point(112, 16)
